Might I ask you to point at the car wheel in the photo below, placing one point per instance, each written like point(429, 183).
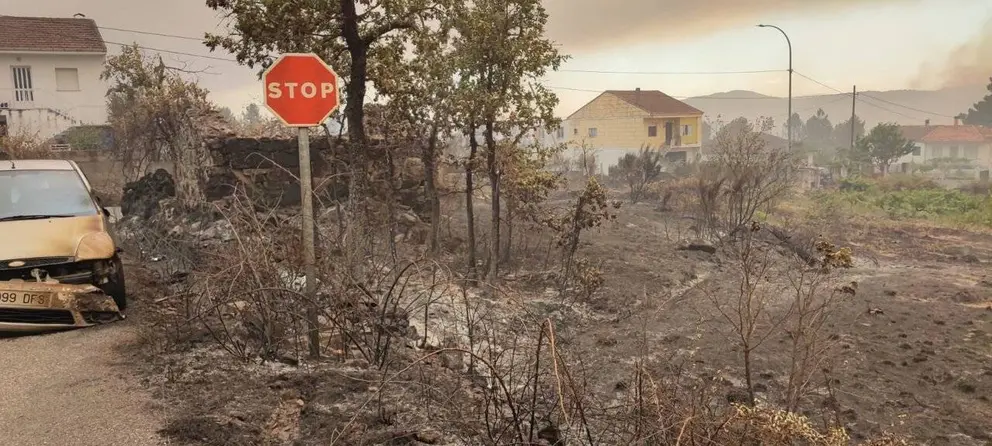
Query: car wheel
point(116, 288)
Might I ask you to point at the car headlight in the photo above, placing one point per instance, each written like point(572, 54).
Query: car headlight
point(95, 246)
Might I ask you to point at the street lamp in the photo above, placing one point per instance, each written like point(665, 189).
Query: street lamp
point(788, 121)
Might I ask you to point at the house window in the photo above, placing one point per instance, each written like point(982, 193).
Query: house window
point(561, 132)
point(686, 130)
point(971, 153)
point(954, 152)
point(916, 151)
point(23, 87)
point(593, 131)
point(66, 79)
point(652, 131)
point(575, 131)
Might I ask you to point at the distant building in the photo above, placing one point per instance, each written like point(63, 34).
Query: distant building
point(622, 121)
point(967, 146)
point(50, 74)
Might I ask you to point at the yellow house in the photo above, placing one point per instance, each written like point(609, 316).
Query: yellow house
point(625, 120)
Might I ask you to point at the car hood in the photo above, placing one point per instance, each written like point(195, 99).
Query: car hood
point(52, 237)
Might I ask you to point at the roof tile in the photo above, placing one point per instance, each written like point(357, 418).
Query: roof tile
point(915, 132)
point(655, 102)
point(49, 34)
point(955, 133)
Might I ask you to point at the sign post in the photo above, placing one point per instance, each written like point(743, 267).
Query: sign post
point(302, 91)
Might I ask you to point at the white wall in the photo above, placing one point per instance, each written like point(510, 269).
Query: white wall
point(53, 111)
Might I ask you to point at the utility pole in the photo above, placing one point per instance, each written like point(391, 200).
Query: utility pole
point(788, 121)
point(854, 104)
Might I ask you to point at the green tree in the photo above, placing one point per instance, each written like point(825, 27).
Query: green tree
point(423, 99)
point(981, 112)
point(798, 128)
point(502, 55)
point(882, 146)
point(359, 39)
point(842, 132)
point(819, 130)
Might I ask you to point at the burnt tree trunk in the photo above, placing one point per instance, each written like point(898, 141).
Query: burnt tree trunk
point(429, 157)
point(358, 50)
point(494, 183)
point(473, 145)
point(511, 207)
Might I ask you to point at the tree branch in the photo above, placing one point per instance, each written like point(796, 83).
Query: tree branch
point(386, 28)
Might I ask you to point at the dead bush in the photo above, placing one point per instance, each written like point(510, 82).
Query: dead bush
point(24, 145)
point(591, 209)
point(743, 177)
point(637, 171)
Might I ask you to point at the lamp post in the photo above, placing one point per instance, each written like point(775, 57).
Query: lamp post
point(788, 121)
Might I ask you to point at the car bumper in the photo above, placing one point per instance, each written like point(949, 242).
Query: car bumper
point(46, 306)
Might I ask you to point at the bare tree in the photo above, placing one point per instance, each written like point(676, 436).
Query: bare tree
point(816, 298)
point(749, 313)
point(588, 160)
point(746, 175)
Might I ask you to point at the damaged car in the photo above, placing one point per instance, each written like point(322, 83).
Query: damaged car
point(60, 264)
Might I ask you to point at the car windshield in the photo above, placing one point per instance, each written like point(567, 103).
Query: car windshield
point(32, 194)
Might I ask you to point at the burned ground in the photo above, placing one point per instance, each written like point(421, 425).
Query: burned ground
point(914, 344)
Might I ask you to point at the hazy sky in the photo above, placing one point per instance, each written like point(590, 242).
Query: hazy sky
point(876, 44)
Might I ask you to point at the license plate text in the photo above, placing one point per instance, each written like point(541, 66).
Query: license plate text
point(10, 297)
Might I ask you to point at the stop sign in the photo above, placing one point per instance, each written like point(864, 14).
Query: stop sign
point(300, 89)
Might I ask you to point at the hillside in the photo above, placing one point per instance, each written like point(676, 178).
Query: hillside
point(873, 106)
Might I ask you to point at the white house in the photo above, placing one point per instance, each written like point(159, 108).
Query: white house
point(50, 74)
point(968, 147)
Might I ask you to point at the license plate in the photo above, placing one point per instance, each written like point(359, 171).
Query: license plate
point(19, 298)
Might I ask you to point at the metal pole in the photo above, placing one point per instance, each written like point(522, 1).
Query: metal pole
point(309, 248)
point(854, 105)
point(788, 121)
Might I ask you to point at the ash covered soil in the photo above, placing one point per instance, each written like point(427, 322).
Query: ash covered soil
point(915, 343)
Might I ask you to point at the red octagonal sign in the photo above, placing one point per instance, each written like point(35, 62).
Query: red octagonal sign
point(301, 89)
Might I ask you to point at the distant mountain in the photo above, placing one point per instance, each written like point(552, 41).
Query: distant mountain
point(905, 107)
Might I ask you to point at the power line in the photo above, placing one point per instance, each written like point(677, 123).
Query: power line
point(174, 36)
point(887, 109)
point(709, 98)
point(181, 53)
point(698, 73)
point(819, 83)
point(880, 100)
point(907, 107)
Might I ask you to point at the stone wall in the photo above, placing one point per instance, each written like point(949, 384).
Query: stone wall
point(267, 169)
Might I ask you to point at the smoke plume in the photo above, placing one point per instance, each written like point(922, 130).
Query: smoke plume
point(968, 64)
point(589, 25)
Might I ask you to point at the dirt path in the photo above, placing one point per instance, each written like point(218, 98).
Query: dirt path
point(70, 388)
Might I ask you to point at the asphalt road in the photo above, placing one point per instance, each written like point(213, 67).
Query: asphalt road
point(71, 388)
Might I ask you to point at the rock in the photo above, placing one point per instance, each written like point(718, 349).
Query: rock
point(141, 198)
